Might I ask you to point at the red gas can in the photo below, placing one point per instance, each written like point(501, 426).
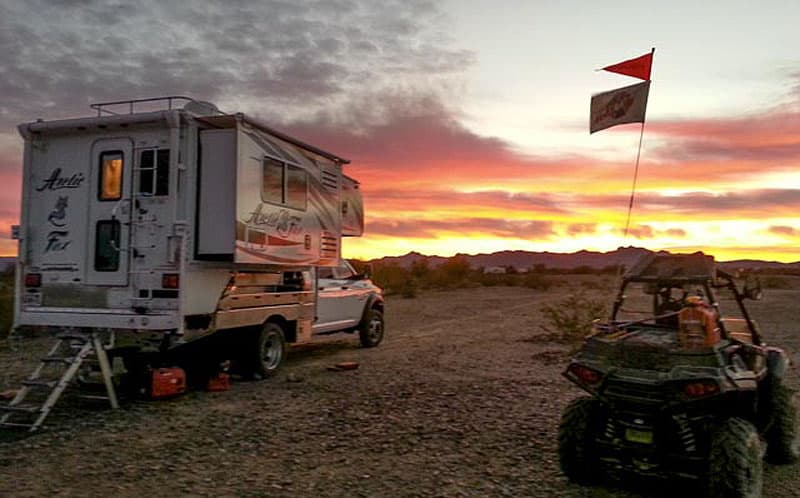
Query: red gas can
point(222, 382)
point(167, 382)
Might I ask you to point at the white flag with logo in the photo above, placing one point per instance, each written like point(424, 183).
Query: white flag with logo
point(623, 105)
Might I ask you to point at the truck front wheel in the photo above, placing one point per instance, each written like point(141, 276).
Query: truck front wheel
point(370, 331)
point(269, 352)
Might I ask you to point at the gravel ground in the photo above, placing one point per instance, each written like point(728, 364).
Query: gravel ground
point(462, 399)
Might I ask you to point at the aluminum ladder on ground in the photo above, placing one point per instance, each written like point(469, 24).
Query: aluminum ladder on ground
point(71, 350)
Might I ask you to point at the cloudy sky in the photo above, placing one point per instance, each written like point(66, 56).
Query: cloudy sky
point(466, 120)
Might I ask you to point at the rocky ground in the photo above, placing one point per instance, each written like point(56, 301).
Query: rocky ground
point(462, 399)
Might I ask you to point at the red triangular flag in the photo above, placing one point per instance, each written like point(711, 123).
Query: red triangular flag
point(638, 67)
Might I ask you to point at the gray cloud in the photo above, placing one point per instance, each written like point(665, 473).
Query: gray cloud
point(535, 229)
point(784, 230)
point(282, 59)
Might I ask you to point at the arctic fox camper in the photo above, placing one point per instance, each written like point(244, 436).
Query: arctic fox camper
point(163, 221)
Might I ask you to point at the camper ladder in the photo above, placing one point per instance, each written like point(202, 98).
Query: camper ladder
point(42, 391)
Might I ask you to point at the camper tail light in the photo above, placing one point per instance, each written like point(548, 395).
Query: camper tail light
point(33, 280)
point(170, 281)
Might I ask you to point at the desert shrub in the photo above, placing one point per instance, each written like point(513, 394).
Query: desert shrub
point(571, 318)
point(454, 273)
point(775, 282)
point(410, 288)
point(537, 281)
point(420, 269)
point(392, 278)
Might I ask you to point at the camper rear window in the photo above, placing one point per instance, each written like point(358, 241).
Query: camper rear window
point(154, 172)
point(106, 247)
point(284, 184)
point(111, 164)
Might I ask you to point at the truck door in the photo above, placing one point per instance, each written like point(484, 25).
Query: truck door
point(109, 212)
point(340, 299)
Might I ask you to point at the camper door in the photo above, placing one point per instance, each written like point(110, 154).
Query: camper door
point(107, 249)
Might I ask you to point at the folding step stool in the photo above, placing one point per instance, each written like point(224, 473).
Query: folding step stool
point(70, 351)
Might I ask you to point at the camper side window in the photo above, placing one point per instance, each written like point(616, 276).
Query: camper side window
point(296, 187)
point(154, 172)
point(272, 182)
point(111, 164)
point(106, 246)
point(284, 184)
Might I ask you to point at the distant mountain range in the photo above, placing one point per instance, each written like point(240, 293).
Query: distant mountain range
point(594, 260)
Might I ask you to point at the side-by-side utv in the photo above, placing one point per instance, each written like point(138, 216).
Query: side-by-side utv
point(678, 389)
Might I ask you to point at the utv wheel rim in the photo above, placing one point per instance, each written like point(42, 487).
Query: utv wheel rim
point(272, 352)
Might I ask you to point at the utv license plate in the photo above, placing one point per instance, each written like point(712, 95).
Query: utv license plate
point(637, 436)
point(32, 299)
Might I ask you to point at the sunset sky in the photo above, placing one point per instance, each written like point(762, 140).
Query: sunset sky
point(466, 121)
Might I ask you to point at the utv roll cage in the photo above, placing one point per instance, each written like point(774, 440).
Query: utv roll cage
point(667, 271)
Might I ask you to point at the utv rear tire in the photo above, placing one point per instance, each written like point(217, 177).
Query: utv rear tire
point(577, 452)
point(783, 436)
point(735, 461)
point(371, 330)
point(268, 353)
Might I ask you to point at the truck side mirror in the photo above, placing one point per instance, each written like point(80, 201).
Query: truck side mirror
point(367, 273)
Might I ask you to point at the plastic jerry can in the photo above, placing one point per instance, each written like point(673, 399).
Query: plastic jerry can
point(697, 327)
point(222, 382)
point(167, 382)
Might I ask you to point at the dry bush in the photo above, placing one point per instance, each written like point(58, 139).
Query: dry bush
point(775, 282)
point(570, 319)
point(537, 281)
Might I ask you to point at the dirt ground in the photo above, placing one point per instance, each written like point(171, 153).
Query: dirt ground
point(462, 399)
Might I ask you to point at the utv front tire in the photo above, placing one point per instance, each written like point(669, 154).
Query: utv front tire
point(576, 447)
point(268, 352)
point(371, 330)
point(783, 436)
point(735, 461)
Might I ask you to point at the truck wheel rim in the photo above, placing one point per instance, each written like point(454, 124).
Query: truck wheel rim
point(375, 329)
point(272, 352)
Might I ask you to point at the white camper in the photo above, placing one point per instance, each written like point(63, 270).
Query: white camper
point(163, 221)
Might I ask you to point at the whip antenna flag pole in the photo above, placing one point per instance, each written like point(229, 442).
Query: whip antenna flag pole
point(621, 106)
point(624, 105)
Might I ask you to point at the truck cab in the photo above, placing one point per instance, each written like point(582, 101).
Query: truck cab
point(348, 301)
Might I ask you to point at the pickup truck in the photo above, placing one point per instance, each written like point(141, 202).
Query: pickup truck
point(348, 301)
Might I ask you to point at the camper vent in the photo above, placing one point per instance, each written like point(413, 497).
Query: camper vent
point(329, 245)
point(330, 180)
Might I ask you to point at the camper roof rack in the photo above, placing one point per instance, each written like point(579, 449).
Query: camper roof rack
point(154, 104)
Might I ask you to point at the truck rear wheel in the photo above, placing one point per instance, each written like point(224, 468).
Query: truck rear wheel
point(576, 448)
point(735, 461)
point(370, 332)
point(269, 352)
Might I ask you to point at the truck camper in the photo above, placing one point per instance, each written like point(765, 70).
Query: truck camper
point(158, 222)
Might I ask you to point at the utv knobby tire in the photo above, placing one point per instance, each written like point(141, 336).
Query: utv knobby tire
point(577, 452)
point(268, 352)
point(783, 436)
point(735, 461)
point(371, 330)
